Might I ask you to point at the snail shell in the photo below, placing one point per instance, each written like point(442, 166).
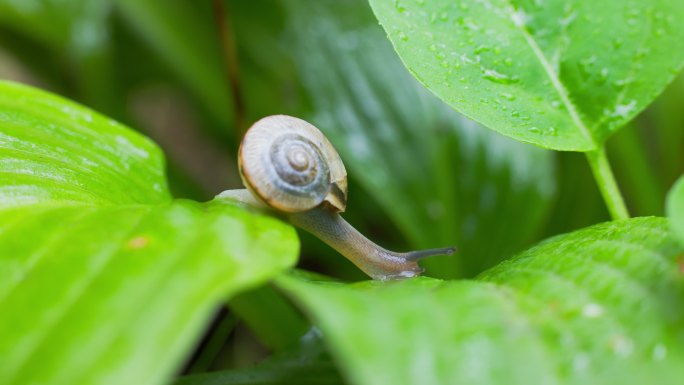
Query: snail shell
point(291, 166)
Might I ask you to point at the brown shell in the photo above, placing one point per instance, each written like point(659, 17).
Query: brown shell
point(291, 166)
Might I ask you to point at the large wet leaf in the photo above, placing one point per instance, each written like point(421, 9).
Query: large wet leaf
point(104, 279)
point(562, 75)
point(54, 150)
point(441, 178)
point(675, 208)
point(119, 294)
point(600, 305)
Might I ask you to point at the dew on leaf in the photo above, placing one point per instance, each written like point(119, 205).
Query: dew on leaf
point(519, 17)
point(508, 96)
point(592, 310)
point(480, 49)
point(659, 352)
point(497, 77)
point(621, 345)
point(399, 7)
point(402, 36)
point(622, 110)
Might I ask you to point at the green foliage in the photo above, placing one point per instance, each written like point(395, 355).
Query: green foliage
point(675, 208)
point(53, 150)
point(404, 145)
point(573, 309)
point(557, 74)
point(105, 280)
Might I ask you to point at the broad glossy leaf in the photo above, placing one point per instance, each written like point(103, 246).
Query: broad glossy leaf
point(440, 177)
point(675, 208)
point(600, 305)
point(118, 294)
point(562, 75)
point(53, 150)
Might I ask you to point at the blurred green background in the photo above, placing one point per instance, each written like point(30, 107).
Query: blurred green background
point(193, 75)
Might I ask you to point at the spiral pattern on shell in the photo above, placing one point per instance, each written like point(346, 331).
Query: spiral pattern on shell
point(290, 165)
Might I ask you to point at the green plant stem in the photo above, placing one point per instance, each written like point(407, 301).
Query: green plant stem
point(606, 183)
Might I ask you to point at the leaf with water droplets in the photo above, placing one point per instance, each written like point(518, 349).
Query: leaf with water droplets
point(598, 306)
point(579, 70)
point(103, 278)
point(55, 151)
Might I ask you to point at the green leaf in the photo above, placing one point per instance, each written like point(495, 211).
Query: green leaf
point(600, 305)
point(557, 74)
point(675, 208)
point(438, 176)
point(118, 294)
point(56, 151)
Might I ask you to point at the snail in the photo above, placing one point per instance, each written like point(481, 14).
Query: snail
point(289, 166)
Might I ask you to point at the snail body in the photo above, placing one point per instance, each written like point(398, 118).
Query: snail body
point(289, 166)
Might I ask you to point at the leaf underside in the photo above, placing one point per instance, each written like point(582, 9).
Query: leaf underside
point(562, 75)
point(601, 305)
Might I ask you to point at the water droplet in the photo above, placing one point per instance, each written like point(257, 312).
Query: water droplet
point(433, 47)
point(402, 36)
point(520, 18)
point(621, 345)
point(553, 131)
point(592, 310)
point(580, 363)
point(399, 7)
point(585, 66)
point(508, 96)
point(508, 61)
point(480, 49)
point(603, 76)
point(534, 130)
point(659, 352)
point(617, 43)
point(498, 77)
point(555, 104)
